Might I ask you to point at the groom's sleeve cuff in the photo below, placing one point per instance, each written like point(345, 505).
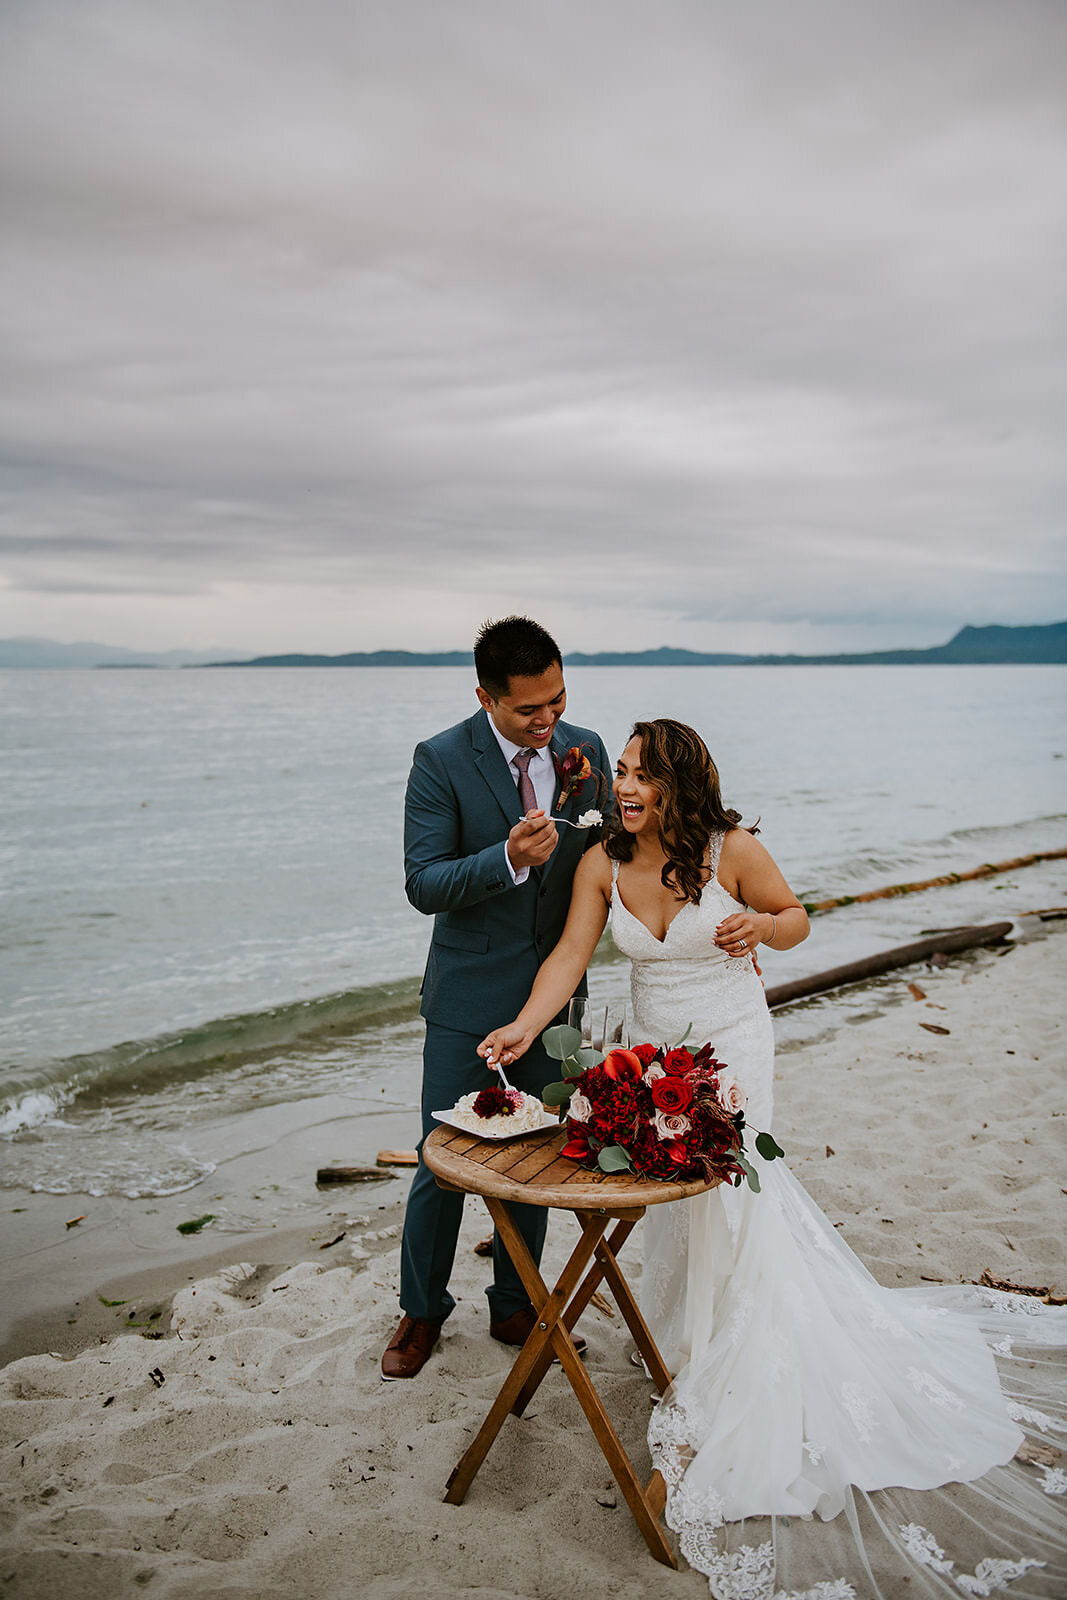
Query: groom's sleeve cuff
point(516, 877)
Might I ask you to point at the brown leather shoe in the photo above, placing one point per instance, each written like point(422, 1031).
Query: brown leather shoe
point(408, 1350)
point(517, 1328)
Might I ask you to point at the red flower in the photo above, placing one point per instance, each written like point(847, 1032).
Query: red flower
point(671, 1094)
point(573, 769)
point(678, 1061)
point(577, 1146)
point(494, 1102)
point(645, 1053)
point(619, 1065)
point(677, 1152)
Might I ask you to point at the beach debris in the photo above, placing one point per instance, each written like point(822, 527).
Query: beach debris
point(73, 1223)
point(987, 870)
point(830, 1151)
point(608, 1499)
point(934, 1027)
point(195, 1225)
point(1034, 1454)
point(601, 1303)
point(398, 1158)
point(915, 992)
point(873, 966)
point(484, 1247)
point(989, 1281)
point(329, 1243)
point(110, 1401)
point(157, 1377)
point(350, 1175)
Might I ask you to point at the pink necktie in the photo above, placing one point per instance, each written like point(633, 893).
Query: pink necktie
point(526, 788)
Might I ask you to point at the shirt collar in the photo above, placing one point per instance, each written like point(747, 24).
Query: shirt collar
point(510, 750)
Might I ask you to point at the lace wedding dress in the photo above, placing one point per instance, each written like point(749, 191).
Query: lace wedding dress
point(825, 1438)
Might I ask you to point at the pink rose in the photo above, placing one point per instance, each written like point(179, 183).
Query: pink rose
point(670, 1125)
point(732, 1097)
point(580, 1109)
point(653, 1071)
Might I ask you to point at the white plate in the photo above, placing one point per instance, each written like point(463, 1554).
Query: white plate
point(551, 1121)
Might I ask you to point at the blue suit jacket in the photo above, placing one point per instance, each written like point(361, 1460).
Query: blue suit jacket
point(490, 936)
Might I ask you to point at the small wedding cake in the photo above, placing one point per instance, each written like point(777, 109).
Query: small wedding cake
point(497, 1111)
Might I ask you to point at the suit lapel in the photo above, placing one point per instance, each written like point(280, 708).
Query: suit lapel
point(558, 749)
point(489, 759)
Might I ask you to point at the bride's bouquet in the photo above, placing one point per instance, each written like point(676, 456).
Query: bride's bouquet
point(663, 1111)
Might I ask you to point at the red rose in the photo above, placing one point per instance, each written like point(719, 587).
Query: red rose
point(671, 1094)
point(622, 1064)
point(645, 1053)
point(678, 1062)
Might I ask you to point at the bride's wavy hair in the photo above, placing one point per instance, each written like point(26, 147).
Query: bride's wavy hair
point(676, 762)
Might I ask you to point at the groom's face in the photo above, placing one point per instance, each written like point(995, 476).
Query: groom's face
point(529, 711)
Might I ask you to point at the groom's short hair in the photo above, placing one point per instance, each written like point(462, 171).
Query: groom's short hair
point(515, 647)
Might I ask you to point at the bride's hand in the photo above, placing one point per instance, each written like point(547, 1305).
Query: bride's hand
point(504, 1045)
point(739, 934)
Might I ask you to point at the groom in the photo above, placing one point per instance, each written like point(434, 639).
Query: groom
point(484, 857)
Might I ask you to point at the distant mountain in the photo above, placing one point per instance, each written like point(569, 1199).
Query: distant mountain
point(33, 652)
point(992, 646)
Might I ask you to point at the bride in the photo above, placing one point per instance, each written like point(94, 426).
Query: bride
point(823, 1438)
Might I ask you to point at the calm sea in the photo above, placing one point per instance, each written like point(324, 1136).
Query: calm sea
point(201, 881)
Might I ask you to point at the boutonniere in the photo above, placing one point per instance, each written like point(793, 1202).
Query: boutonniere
point(572, 769)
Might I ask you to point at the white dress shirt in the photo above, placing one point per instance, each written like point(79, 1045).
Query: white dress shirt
point(543, 777)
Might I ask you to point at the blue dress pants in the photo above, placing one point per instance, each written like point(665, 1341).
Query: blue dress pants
point(432, 1220)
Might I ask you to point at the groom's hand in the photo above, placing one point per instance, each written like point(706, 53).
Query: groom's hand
point(504, 1045)
point(532, 841)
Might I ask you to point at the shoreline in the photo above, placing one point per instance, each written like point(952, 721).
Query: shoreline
point(98, 1259)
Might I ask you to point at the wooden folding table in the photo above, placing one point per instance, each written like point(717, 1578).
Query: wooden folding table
point(530, 1170)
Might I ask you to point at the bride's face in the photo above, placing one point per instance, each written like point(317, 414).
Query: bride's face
point(638, 801)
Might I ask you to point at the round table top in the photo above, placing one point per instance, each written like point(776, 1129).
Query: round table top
point(530, 1169)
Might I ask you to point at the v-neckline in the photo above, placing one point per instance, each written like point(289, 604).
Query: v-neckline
point(640, 924)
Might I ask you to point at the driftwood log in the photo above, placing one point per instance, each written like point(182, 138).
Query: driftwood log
point(903, 955)
point(988, 869)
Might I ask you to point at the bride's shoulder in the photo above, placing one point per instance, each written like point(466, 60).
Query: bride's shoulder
point(740, 848)
point(594, 869)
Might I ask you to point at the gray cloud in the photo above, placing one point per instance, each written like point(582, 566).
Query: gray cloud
point(319, 316)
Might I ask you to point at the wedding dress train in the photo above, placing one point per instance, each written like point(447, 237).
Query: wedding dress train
point(825, 1438)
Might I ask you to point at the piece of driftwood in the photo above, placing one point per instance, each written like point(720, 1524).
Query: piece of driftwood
point(398, 1158)
point(902, 955)
point(351, 1175)
point(988, 869)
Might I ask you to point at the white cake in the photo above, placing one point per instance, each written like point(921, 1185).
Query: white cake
point(527, 1116)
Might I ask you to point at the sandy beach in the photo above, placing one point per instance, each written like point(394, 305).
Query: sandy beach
point(252, 1450)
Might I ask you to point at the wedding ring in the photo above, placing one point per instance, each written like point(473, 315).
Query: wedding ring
point(744, 946)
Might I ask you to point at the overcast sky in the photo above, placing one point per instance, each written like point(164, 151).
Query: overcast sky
point(331, 325)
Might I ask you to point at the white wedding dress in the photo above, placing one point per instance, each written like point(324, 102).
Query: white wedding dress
point(825, 1438)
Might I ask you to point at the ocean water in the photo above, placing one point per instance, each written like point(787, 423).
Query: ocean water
point(201, 877)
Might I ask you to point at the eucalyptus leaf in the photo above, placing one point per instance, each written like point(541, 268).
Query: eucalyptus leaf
point(684, 1037)
point(557, 1094)
point(768, 1146)
point(750, 1173)
point(589, 1057)
point(613, 1158)
point(561, 1041)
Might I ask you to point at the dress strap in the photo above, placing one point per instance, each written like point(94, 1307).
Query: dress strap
point(714, 852)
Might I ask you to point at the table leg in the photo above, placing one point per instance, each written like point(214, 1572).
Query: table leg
point(550, 1329)
point(545, 1329)
point(606, 1252)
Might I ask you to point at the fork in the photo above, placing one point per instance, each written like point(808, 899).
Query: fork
point(581, 826)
